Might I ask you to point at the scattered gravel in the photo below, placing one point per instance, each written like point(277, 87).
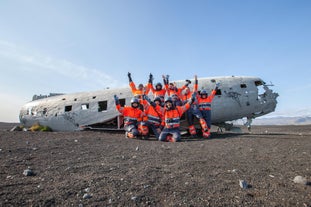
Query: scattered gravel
point(105, 169)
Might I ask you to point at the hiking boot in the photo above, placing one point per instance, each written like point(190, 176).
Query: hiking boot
point(170, 139)
point(206, 135)
point(129, 135)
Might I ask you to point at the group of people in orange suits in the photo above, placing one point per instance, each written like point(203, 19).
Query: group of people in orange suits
point(162, 114)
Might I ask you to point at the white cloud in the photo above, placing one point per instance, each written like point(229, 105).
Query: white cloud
point(34, 63)
point(41, 74)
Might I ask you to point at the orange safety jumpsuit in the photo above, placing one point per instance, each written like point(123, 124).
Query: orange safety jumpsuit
point(132, 116)
point(195, 112)
point(154, 112)
point(157, 93)
point(173, 90)
point(143, 125)
point(136, 92)
point(205, 108)
point(206, 103)
point(171, 122)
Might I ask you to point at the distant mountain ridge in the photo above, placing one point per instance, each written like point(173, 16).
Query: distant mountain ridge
point(300, 116)
point(283, 120)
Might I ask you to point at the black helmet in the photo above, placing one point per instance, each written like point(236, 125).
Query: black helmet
point(157, 99)
point(203, 92)
point(134, 100)
point(168, 99)
point(158, 85)
point(140, 86)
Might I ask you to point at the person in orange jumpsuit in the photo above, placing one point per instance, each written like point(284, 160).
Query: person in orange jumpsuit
point(132, 116)
point(194, 112)
point(171, 120)
point(158, 91)
point(174, 90)
point(186, 94)
point(177, 100)
point(154, 111)
point(137, 92)
point(205, 104)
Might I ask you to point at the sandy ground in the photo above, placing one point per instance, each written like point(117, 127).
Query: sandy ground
point(106, 169)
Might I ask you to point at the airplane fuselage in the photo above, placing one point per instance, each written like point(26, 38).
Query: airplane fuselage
point(237, 97)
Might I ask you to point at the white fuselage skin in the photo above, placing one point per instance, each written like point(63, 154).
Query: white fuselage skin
point(238, 97)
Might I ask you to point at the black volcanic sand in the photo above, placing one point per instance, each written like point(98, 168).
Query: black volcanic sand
point(106, 169)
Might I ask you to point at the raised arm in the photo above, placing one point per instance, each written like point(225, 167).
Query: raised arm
point(195, 86)
point(117, 102)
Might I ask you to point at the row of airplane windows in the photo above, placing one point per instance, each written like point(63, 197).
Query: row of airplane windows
point(102, 106)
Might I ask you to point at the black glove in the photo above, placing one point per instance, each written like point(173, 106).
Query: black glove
point(164, 80)
point(188, 82)
point(116, 99)
point(129, 76)
point(167, 77)
point(150, 78)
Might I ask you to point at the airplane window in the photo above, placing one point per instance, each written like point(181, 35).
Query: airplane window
point(243, 85)
point(122, 101)
point(102, 106)
point(258, 83)
point(68, 108)
point(32, 111)
point(85, 106)
point(218, 92)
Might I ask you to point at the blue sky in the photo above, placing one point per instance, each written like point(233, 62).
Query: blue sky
point(78, 45)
